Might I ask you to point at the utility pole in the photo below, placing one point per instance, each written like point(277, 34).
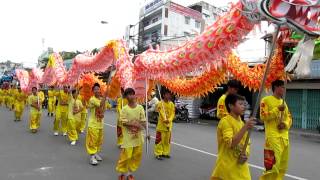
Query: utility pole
point(43, 40)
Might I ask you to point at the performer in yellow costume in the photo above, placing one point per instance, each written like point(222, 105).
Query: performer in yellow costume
point(121, 102)
point(19, 105)
point(231, 164)
point(60, 121)
point(84, 114)
point(94, 139)
point(1, 96)
point(166, 111)
point(132, 117)
point(74, 117)
point(35, 101)
point(12, 93)
point(41, 95)
point(277, 119)
point(51, 101)
point(5, 97)
point(233, 86)
point(8, 102)
point(8, 98)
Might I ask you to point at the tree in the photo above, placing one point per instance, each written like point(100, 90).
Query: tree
point(69, 55)
point(95, 51)
point(44, 58)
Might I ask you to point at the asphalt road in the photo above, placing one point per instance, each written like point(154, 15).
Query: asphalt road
point(42, 156)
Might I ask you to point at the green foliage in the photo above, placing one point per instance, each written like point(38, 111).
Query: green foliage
point(69, 55)
point(95, 51)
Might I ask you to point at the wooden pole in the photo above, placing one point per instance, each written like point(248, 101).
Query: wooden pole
point(262, 85)
point(284, 96)
point(147, 118)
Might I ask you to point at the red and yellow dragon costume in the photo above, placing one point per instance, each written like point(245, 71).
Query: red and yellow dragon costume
point(212, 52)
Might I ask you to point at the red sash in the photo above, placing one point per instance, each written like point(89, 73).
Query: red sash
point(269, 159)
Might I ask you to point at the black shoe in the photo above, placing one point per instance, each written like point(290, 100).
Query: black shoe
point(159, 158)
point(34, 131)
point(48, 114)
point(166, 156)
point(51, 114)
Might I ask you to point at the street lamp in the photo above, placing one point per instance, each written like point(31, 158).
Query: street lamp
point(103, 22)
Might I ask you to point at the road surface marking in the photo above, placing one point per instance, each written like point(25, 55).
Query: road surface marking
point(214, 155)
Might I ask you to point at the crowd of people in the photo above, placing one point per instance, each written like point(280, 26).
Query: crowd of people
point(70, 111)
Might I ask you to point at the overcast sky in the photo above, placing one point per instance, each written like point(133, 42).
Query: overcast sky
point(65, 24)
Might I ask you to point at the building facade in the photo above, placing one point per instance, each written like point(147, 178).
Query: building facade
point(7, 71)
point(303, 97)
point(8, 68)
point(210, 13)
point(168, 24)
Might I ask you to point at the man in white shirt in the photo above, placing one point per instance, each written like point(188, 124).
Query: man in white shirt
point(153, 102)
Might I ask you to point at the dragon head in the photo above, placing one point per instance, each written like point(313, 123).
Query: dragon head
point(300, 15)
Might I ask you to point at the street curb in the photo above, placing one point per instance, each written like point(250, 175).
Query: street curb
point(306, 135)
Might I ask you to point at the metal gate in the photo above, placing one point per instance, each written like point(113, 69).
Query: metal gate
point(304, 107)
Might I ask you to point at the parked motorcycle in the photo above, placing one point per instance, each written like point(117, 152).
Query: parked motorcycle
point(208, 112)
point(182, 114)
point(152, 116)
